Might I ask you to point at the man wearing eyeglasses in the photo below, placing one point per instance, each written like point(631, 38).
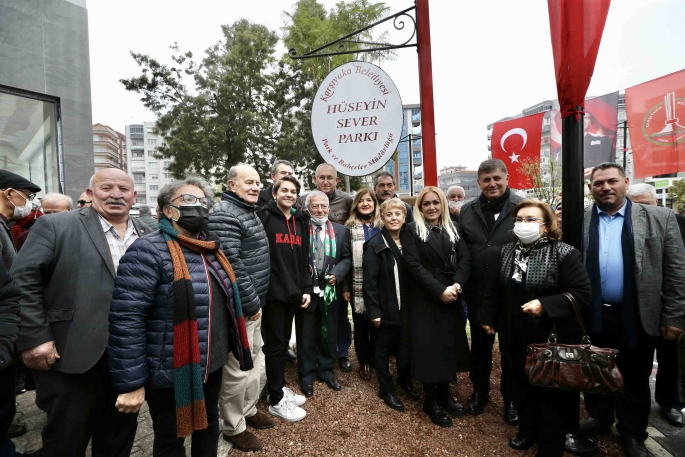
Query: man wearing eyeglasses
point(84, 201)
point(15, 203)
point(66, 272)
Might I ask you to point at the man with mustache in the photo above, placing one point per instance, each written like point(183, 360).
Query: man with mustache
point(636, 263)
point(384, 187)
point(67, 277)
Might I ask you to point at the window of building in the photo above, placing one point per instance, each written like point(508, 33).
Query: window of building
point(28, 138)
point(138, 129)
point(154, 187)
point(166, 175)
point(98, 138)
point(154, 176)
point(100, 160)
point(151, 142)
point(136, 154)
point(153, 164)
point(151, 153)
point(153, 199)
point(136, 142)
point(167, 163)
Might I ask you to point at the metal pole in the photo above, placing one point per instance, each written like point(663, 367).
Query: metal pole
point(572, 158)
point(430, 164)
point(625, 143)
point(411, 165)
point(347, 184)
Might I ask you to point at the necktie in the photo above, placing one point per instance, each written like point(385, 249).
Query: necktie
point(317, 239)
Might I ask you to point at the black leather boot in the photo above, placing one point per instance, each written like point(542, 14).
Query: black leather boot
point(431, 407)
point(447, 401)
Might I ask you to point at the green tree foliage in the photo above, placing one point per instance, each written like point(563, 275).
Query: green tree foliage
point(544, 178)
point(677, 193)
point(240, 102)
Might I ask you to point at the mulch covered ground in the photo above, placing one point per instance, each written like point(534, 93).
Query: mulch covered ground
point(355, 422)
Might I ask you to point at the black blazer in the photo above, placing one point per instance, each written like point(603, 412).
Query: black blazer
point(483, 246)
point(265, 196)
point(67, 275)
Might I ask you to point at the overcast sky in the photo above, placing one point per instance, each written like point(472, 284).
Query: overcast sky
point(491, 58)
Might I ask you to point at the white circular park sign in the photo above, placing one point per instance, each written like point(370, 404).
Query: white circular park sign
point(357, 118)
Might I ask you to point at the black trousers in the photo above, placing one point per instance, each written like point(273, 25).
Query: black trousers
point(7, 409)
point(313, 359)
point(667, 387)
point(162, 406)
point(387, 343)
point(541, 409)
point(364, 338)
point(481, 357)
point(635, 363)
point(81, 407)
point(344, 339)
point(277, 325)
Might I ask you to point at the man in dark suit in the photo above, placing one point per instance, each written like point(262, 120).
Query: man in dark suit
point(329, 264)
point(486, 225)
point(66, 272)
point(635, 259)
point(667, 386)
point(384, 188)
point(279, 169)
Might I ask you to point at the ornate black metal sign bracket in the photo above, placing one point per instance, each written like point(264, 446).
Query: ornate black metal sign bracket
point(341, 43)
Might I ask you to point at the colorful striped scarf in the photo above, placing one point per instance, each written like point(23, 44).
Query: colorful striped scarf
point(191, 413)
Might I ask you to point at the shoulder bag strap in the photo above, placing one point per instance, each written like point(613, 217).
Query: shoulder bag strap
point(576, 309)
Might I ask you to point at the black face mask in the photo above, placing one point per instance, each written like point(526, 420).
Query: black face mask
point(194, 219)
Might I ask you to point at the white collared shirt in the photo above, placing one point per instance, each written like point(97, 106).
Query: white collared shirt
point(118, 245)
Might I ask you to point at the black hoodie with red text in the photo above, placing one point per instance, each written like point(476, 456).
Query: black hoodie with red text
point(289, 253)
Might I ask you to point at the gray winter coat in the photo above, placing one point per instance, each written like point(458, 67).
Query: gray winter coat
point(244, 242)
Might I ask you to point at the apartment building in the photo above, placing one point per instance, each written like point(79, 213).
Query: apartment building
point(149, 173)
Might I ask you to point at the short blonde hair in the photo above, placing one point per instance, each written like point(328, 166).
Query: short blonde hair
point(393, 203)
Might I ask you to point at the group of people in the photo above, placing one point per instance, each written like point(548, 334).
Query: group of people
point(183, 310)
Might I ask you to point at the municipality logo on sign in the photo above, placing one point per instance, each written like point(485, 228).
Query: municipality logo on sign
point(661, 125)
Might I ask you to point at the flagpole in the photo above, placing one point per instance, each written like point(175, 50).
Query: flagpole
point(572, 175)
point(430, 164)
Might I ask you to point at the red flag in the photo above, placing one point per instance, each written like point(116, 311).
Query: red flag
point(576, 27)
point(515, 140)
point(656, 118)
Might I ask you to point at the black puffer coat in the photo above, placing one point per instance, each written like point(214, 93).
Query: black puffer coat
point(244, 242)
point(141, 342)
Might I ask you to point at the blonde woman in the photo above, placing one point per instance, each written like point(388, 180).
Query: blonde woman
point(363, 223)
point(439, 264)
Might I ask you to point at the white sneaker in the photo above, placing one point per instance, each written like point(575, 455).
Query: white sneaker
point(288, 411)
point(294, 398)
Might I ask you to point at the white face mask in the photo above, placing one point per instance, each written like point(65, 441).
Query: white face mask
point(527, 232)
point(319, 221)
point(22, 211)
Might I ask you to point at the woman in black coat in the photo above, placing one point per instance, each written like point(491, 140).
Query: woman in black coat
point(522, 304)
point(386, 295)
point(438, 263)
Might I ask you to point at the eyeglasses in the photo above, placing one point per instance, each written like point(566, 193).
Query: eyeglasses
point(83, 202)
point(192, 199)
point(29, 196)
point(531, 220)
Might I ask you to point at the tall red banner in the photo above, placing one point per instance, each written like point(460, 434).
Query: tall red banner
point(656, 119)
point(576, 27)
point(515, 140)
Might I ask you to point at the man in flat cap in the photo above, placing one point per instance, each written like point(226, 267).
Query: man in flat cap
point(15, 202)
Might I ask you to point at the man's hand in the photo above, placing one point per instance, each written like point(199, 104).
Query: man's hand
point(306, 299)
point(455, 210)
point(449, 295)
point(346, 296)
point(42, 357)
point(331, 279)
point(376, 322)
point(256, 316)
point(489, 330)
point(534, 308)
point(130, 402)
point(670, 333)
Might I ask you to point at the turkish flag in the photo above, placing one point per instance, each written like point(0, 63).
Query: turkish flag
point(576, 27)
point(515, 140)
point(656, 119)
